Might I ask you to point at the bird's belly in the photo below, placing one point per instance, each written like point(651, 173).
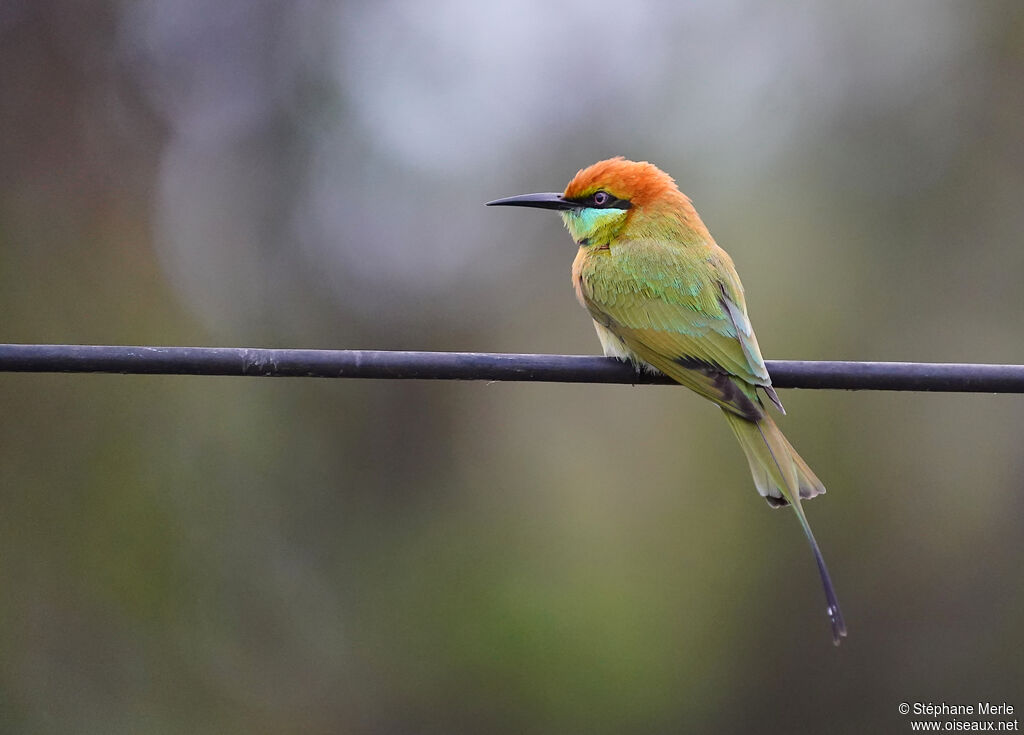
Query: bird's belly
point(613, 346)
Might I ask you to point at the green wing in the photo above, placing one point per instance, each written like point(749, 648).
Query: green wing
point(681, 310)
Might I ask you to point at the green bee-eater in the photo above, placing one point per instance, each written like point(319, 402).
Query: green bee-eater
point(664, 295)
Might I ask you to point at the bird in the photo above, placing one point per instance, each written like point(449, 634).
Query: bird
point(664, 296)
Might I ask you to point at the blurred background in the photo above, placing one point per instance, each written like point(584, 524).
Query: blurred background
point(221, 555)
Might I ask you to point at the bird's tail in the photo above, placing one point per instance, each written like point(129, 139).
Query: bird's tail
point(782, 477)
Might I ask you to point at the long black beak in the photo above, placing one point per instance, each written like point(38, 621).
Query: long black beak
point(540, 201)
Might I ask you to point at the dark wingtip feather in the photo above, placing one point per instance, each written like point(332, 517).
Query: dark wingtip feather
point(773, 397)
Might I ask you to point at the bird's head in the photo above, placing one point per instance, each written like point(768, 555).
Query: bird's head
point(605, 199)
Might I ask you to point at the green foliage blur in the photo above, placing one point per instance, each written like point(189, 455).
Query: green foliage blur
point(220, 555)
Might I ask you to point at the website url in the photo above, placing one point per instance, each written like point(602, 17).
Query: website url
point(964, 726)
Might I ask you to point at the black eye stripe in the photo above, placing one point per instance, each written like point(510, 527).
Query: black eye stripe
point(609, 201)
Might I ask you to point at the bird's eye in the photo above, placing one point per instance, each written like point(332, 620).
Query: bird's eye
point(601, 198)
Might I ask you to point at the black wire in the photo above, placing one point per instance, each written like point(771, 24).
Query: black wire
point(381, 364)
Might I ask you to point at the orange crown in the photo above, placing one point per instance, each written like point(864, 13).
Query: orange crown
point(640, 182)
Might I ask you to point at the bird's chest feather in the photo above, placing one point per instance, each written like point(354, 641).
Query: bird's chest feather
point(605, 280)
point(603, 275)
point(588, 269)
